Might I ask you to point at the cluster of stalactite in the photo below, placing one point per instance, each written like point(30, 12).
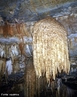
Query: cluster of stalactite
point(18, 54)
point(9, 29)
point(14, 50)
point(50, 48)
point(9, 50)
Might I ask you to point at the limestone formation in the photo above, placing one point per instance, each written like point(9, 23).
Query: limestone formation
point(50, 48)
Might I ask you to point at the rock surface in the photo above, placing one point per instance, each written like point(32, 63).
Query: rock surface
point(30, 10)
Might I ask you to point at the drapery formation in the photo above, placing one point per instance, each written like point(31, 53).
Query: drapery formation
point(50, 49)
point(9, 29)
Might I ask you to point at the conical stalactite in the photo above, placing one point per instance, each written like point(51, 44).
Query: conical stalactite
point(50, 48)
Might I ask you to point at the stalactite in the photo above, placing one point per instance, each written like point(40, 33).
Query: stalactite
point(6, 50)
point(50, 55)
point(10, 30)
point(2, 50)
point(15, 29)
point(27, 50)
point(50, 48)
point(5, 29)
point(9, 67)
point(14, 50)
point(18, 28)
point(31, 30)
point(24, 31)
point(21, 29)
point(1, 30)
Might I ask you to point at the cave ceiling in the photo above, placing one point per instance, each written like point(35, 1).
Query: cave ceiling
point(32, 10)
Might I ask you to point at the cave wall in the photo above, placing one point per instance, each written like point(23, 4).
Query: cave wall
point(30, 10)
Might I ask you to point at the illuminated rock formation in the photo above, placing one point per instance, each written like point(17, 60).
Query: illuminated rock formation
point(50, 48)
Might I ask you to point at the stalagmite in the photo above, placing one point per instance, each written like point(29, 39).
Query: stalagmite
point(2, 68)
point(58, 86)
point(50, 48)
point(30, 80)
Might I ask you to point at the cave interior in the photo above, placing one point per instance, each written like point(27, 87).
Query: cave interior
point(38, 48)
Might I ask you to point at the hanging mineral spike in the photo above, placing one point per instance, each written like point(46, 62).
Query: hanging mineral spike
point(5, 29)
point(50, 48)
